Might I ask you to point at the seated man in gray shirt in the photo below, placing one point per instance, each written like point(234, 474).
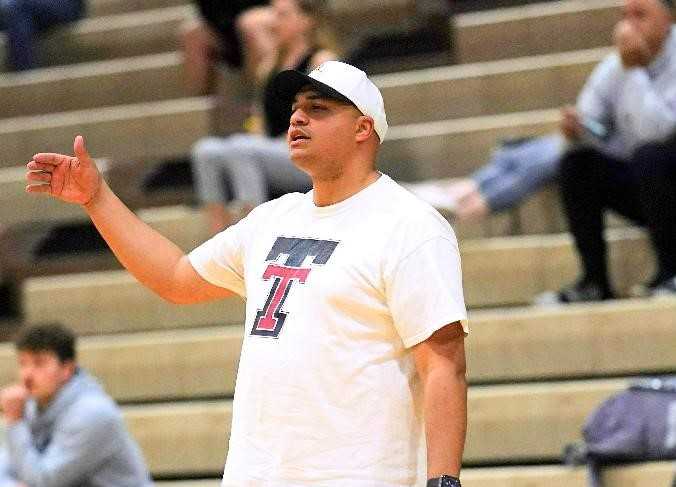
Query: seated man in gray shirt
point(62, 429)
point(632, 96)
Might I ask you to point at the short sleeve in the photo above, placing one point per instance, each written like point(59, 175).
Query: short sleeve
point(424, 291)
point(220, 260)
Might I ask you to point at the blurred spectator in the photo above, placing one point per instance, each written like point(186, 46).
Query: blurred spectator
point(62, 428)
point(24, 19)
point(249, 168)
point(520, 168)
point(235, 32)
point(630, 102)
point(517, 169)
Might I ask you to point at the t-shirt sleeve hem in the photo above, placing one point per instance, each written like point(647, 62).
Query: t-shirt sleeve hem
point(425, 334)
point(210, 277)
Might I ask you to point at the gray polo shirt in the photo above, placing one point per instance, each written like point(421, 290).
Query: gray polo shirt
point(636, 105)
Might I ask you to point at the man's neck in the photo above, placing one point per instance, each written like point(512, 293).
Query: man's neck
point(334, 190)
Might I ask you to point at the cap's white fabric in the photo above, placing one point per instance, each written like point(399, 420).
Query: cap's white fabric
point(353, 83)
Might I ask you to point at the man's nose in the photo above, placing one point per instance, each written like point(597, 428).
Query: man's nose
point(298, 117)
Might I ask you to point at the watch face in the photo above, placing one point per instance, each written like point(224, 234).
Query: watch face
point(448, 481)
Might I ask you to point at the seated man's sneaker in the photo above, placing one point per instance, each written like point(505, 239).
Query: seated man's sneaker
point(665, 288)
point(580, 292)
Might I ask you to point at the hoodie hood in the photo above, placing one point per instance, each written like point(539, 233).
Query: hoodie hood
point(41, 423)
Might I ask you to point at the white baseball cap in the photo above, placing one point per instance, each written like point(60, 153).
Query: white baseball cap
point(337, 80)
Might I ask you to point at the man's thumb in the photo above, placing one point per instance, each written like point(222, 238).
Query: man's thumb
point(80, 150)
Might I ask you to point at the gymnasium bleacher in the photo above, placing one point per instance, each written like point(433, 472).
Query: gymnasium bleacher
point(535, 374)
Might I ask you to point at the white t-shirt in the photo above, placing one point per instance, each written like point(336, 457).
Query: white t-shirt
point(326, 391)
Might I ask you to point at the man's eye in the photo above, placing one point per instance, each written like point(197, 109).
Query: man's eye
point(318, 107)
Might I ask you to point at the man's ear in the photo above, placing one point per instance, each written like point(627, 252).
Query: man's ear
point(69, 368)
point(365, 128)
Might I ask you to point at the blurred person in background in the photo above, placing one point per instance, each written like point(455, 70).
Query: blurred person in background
point(237, 33)
point(249, 168)
point(62, 429)
point(23, 20)
point(521, 167)
point(517, 169)
point(631, 99)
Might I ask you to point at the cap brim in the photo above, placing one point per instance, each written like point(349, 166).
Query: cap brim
point(287, 84)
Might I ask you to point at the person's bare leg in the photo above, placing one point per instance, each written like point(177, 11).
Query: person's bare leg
point(462, 188)
point(258, 43)
point(472, 207)
point(220, 217)
point(200, 44)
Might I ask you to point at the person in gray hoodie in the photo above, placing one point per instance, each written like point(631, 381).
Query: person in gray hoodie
point(62, 429)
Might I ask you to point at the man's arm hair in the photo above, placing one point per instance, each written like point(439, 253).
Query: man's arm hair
point(440, 362)
point(154, 260)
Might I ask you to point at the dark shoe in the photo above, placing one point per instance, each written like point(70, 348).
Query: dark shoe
point(665, 288)
point(580, 292)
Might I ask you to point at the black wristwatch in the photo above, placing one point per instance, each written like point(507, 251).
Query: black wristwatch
point(444, 481)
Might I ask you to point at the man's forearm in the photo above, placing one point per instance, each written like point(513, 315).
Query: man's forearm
point(445, 411)
point(143, 251)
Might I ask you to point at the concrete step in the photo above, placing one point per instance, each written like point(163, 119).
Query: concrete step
point(90, 85)
point(529, 264)
point(515, 423)
point(182, 438)
point(454, 148)
point(140, 131)
point(593, 340)
point(92, 305)
point(112, 36)
point(411, 97)
point(487, 88)
point(450, 148)
point(574, 341)
point(655, 474)
point(511, 271)
point(540, 28)
point(186, 364)
point(99, 8)
point(18, 207)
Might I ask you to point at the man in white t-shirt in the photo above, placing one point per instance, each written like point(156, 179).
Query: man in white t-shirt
point(355, 318)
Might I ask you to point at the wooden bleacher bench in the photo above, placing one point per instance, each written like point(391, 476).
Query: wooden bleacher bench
point(199, 357)
point(655, 474)
point(527, 30)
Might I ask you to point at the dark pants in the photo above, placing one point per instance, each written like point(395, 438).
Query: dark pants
point(642, 189)
point(23, 19)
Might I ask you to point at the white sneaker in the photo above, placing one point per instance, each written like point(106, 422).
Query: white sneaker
point(434, 194)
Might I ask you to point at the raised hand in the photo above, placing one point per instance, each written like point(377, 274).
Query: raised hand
point(570, 123)
point(71, 179)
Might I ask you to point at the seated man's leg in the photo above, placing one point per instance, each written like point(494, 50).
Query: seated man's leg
point(592, 182)
point(21, 31)
point(655, 171)
point(25, 18)
point(50, 13)
point(515, 172)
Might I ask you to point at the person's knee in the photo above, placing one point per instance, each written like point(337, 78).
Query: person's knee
point(206, 149)
point(212, 150)
point(653, 158)
point(573, 164)
point(11, 8)
point(254, 20)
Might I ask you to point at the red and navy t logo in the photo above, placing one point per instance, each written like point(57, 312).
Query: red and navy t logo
point(270, 320)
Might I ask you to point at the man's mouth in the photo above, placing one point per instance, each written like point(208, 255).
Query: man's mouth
point(298, 135)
